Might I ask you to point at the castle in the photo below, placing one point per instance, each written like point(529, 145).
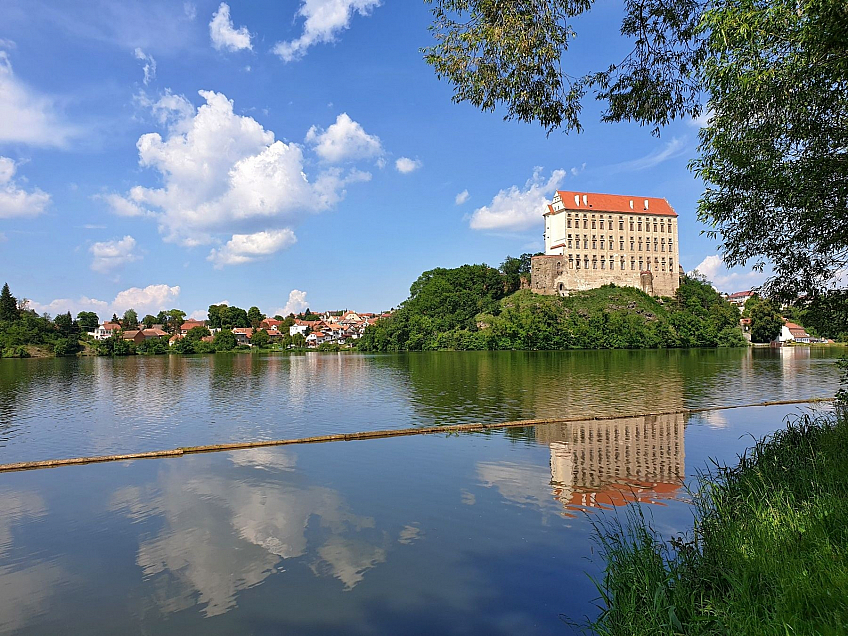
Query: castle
point(597, 239)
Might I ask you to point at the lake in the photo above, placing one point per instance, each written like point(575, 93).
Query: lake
point(483, 533)
point(67, 407)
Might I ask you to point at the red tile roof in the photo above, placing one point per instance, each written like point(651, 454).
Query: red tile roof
point(595, 202)
point(741, 294)
point(111, 326)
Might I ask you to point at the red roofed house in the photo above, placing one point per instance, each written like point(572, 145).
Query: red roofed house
point(188, 325)
point(596, 239)
point(740, 298)
point(106, 330)
point(792, 332)
point(270, 324)
point(243, 334)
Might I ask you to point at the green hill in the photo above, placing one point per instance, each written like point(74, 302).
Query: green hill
point(474, 307)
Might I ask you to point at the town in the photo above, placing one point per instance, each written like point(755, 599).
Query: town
point(331, 328)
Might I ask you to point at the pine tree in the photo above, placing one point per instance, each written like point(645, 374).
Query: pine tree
point(8, 304)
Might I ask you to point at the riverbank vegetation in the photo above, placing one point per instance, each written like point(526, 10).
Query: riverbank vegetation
point(768, 553)
point(480, 307)
point(23, 333)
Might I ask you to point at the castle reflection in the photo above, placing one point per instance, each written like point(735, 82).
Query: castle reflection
point(600, 463)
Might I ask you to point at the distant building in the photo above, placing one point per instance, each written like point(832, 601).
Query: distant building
point(105, 331)
point(794, 333)
point(740, 298)
point(596, 239)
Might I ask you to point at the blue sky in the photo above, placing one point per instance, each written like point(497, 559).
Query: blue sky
point(161, 154)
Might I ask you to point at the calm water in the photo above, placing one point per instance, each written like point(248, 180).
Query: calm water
point(70, 407)
point(462, 534)
point(450, 534)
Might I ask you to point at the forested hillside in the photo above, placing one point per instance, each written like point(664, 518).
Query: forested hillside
point(478, 307)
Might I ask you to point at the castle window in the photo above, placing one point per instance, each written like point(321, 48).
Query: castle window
point(570, 261)
point(662, 245)
point(585, 224)
point(656, 245)
point(663, 264)
point(602, 224)
point(578, 261)
point(622, 263)
point(586, 261)
point(620, 224)
point(632, 244)
point(569, 222)
point(612, 263)
point(670, 265)
point(669, 227)
point(585, 241)
point(648, 245)
point(632, 263)
point(569, 241)
point(641, 265)
point(631, 226)
point(603, 263)
point(602, 242)
point(593, 224)
point(655, 226)
point(639, 225)
point(559, 268)
point(640, 243)
point(669, 244)
point(594, 263)
point(594, 242)
point(621, 243)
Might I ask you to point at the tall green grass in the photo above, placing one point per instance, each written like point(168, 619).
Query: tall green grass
point(768, 553)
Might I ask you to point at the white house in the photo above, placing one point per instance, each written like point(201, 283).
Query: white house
point(105, 331)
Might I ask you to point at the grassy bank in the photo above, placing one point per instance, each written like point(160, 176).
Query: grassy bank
point(768, 554)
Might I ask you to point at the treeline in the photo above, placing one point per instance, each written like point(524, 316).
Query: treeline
point(22, 328)
point(480, 307)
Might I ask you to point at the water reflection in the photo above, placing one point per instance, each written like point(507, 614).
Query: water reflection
point(71, 407)
point(614, 462)
point(596, 464)
point(220, 535)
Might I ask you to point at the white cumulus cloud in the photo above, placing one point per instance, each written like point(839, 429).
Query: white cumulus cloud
point(149, 67)
point(14, 200)
point(223, 173)
point(224, 35)
point(109, 255)
point(145, 300)
point(25, 116)
point(246, 248)
point(345, 139)
point(728, 280)
point(518, 208)
point(323, 20)
point(295, 304)
point(462, 197)
point(405, 165)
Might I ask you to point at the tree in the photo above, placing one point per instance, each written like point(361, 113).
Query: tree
point(215, 315)
point(766, 321)
point(234, 317)
point(8, 304)
point(514, 269)
point(774, 152)
point(225, 340)
point(260, 338)
point(130, 319)
point(115, 319)
point(88, 320)
point(65, 324)
point(255, 317)
point(176, 317)
point(196, 334)
point(510, 53)
point(162, 318)
point(774, 75)
point(148, 321)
